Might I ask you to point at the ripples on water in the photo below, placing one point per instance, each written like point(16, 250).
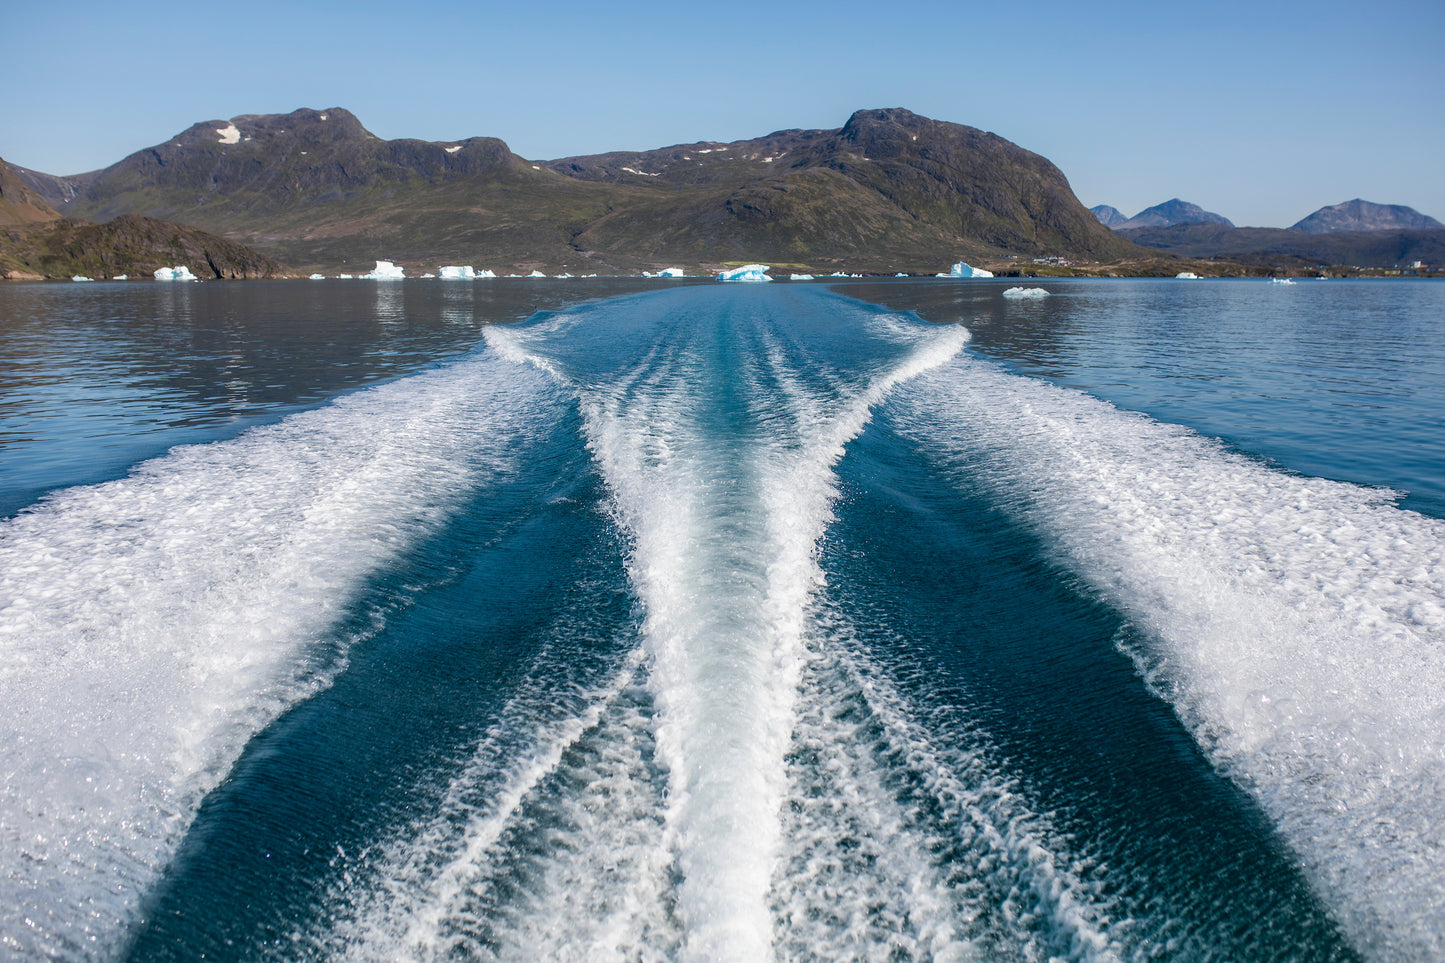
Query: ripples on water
point(724, 622)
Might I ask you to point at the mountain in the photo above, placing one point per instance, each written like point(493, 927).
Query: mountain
point(1170, 213)
point(19, 202)
point(1290, 248)
point(36, 242)
point(1108, 216)
point(890, 190)
point(1358, 215)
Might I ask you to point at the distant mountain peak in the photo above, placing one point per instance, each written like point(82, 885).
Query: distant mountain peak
point(1361, 215)
point(1172, 212)
point(1108, 215)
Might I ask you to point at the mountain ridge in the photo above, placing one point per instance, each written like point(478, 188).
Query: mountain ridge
point(888, 190)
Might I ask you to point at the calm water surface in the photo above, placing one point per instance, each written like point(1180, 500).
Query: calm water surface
point(710, 621)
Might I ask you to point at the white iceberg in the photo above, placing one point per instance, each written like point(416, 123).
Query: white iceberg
point(1280, 281)
point(800, 277)
point(80, 277)
point(536, 274)
point(1187, 276)
point(671, 273)
point(748, 272)
point(1026, 293)
point(964, 270)
point(343, 277)
point(385, 271)
point(121, 277)
point(453, 272)
point(318, 277)
point(178, 273)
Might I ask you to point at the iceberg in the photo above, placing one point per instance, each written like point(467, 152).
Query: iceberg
point(536, 274)
point(800, 277)
point(1187, 276)
point(121, 277)
point(80, 277)
point(670, 273)
point(453, 272)
point(347, 277)
point(1280, 281)
point(318, 277)
point(385, 271)
point(178, 273)
point(964, 270)
point(748, 272)
point(1026, 293)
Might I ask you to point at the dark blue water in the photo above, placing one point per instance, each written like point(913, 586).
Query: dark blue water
point(722, 622)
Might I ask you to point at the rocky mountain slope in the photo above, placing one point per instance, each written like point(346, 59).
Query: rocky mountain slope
point(36, 242)
point(890, 190)
point(1358, 215)
point(19, 202)
point(1264, 245)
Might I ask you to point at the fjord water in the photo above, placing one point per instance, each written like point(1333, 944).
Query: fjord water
point(723, 622)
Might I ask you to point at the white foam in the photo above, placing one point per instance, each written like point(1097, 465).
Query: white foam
point(914, 840)
point(1295, 624)
point(149, 626)
point(724, 562)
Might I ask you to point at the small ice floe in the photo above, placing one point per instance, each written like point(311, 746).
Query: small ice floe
point(384, 271)
point(457, 272)
point(80, 277)
point(536, 274)
point(800, 277)
point(178, 273)
point(342, 277)
point(1186, 276)
point(964, 270)
point(900, 274)
point(1281, 281)
point(318, 277)
point(121, 277)
point(1026, 293)
point(748, 272)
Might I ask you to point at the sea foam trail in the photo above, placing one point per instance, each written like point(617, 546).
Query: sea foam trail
point(911, 842)
point(1295, 624)
point(149, 626)
point(725, 492)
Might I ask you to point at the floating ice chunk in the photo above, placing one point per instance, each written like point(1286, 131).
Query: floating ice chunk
point(536, 274)
point(748, 272)
point(800, 277)
point(671, 273)
point(1187, 276)
point(486, 273)
point(318, 277)
point(453, 272)
point(1026, 293)
point(80, 277)
point(229, 134)
point(178, 273)
point(346, 277)
point(900, 274)
point(1280, 281)
point(121, 277)
point(963, 270)
point(385, 271)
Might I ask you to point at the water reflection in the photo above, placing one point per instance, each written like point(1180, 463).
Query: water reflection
point(96, 377)
point(1341, 379)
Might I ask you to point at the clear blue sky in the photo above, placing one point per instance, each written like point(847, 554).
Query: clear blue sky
point(1261, 111)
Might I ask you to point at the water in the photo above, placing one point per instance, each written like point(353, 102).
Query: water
point(723, 622)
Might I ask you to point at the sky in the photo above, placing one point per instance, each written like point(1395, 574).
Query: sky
point(1263, 112)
